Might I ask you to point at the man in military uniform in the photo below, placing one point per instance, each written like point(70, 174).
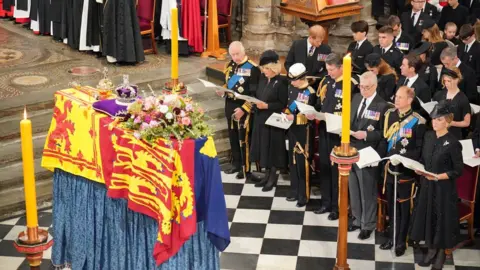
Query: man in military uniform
point(391, 54)
point(329, 100)
point(299, 135)
point(403, 133)
point(241, 76)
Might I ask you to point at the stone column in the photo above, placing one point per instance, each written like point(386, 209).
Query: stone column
point(258, 32)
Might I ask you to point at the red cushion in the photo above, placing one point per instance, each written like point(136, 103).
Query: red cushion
point(466, 183)
point(463, 209)
point(144, 24)
point(145, 9)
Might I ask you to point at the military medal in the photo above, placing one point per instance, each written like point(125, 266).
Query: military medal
point(370, 128)
point(241, 80)
point(404, 142)
point(240, 89)
point(403, 46)
point(403, 151)
point(445, 143)
point(338, 93)
point(321, 57)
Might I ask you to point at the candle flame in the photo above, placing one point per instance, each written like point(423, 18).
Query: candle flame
point(25, 112)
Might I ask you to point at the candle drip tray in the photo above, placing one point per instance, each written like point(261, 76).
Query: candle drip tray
point(41, 239)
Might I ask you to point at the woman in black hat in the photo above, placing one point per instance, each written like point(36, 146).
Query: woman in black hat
point(435, 214)
point(431, 33)
point(268, 142)
point(428, 73)
point(460, 105)
point(386, 75)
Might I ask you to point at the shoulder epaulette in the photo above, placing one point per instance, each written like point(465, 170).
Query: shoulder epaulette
point(225, 68)
point(421, 120)
point(390, 111)
point(252, 62)
point(311, 90)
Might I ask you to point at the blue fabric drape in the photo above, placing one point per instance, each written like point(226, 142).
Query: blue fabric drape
point(92, 231)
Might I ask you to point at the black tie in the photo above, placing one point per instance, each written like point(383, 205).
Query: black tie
point(466, 48)
point(310, 52)
point(383, 50)
point(406, 82)
point(413, 18)
point(362, 109)
point(356, 47)
point(395, 40)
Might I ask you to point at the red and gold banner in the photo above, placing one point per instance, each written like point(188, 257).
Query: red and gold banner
point(157, 180)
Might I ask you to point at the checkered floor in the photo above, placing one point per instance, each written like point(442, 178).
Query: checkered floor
point(270, 233)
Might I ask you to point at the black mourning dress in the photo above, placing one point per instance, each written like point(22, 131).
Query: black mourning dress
point(386, 86)
point(268, 143)
point(435, 215)
point(460, 106)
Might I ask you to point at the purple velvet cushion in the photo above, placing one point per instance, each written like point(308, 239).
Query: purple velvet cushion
point(111, 107)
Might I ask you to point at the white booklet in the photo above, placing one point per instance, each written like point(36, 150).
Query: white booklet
point(308, 109)
point(247, 98)
point(475, 108)
point(368, 157)
point(411, 164)
point(468, 153)
point(208, 84)
point(334, 123)
point(428, 106)
point(279, 121)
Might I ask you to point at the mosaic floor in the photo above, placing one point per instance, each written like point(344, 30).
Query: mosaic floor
point(270, 233)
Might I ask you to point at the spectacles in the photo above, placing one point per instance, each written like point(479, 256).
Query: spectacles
point(366, 87)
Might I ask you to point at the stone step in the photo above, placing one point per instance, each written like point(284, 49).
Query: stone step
point(12, 174)
point(12, 151)
point(11, 124)
point(12, 200)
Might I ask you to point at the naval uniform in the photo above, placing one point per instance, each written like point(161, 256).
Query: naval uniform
point(329, 100)
point(403, 134)
point(299, 143)
point(243, 79)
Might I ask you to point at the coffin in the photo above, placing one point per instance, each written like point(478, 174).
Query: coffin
point(315, 11)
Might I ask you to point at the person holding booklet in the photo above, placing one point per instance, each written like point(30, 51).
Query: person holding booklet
point(460, 106)
point(368, 110)
point(299, 135)
point(329, 100)
point(435, 215)
point(403, 132)
point(241, 76)
point(268, 142)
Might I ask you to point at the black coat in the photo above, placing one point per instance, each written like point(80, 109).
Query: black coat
point(429, 74)
point(415, 31)
point(404, 43)
point(315, 64)
point(468, 84)
point(430, 10)
point(393, 57)
point(268, 143)
point(461, 107)
point(358, 56)
point(471, 58)
point(459, 16)
point(371, 122)
point(422, 91)
point(437, 49)
point(435, 214)
point(386, 86)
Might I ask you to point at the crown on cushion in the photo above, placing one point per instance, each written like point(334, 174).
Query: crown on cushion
point(126, 92)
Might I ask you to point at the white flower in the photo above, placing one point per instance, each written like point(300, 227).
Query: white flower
point(170, 99)
point(153, 123)
point(169, 115)
point(182, 113)
point(163, 109)
point(137, 135)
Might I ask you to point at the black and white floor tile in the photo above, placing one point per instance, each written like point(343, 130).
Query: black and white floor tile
point(270, 233)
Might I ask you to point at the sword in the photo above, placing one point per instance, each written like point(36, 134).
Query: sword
point(395, 175)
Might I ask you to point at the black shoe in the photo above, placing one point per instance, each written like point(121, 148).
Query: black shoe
point(264, 180)
point(427, 260)
point(301, 204)
point(400, 250)
point(352, 228)
point(240, 175)
point(253, 178)
point(322, 210)
point(333, 216)
point(291, 199)
point(364, 234)
point(272, 182)
point(232, 170)
point(387, 245)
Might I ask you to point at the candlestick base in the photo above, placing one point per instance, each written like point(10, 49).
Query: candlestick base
point(33, 243)
point(175, 87)
point(345, 156)
point(220, 54)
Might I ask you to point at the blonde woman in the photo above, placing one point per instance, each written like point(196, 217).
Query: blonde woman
point(268, 142)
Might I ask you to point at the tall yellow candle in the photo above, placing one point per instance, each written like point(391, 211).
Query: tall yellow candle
point(174, 43)
point(28, 171)
point(347, 93)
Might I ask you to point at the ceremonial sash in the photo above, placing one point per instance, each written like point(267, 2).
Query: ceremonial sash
point(396, 136)
point(235, 78)
point(293, 106)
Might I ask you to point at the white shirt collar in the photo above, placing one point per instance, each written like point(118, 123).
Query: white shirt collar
point(361, 42)
point(399, 35)
point(387, 48)
point(309, 45)
point(367, 103)
point(412, 80)
point(417, 15)
point(469, 45)
point(458, 64)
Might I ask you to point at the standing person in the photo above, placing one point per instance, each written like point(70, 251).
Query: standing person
point(428, 72)
point(391, 54)
point(241, 76)
point(403, 134)
point(368, 110)
point(360, 47)
point(435, 214)
point(460, 107)
point(299, 135)
point(268, 142)
point(455, 13)
point(386, 76)
point(330, 95)
point(413, 19)
point(469, 49)
point(310, 52)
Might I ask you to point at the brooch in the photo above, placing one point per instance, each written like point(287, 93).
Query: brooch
point(338, 106)
point(403, 151)
point(370, 128)
point(445, 143)
point(240, 89)
point(241, 81)
point(404, 142)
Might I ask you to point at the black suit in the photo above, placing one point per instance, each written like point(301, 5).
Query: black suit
point(430, 10)
point(471, 58)
point(422, 91)
point(362, 183)
point(315, 64)
point(468, 84)
point(393, 56)
point(378, 7)
point(415, 31)
point(404, 43)
point(429, 74)
point(475, 5)
point(359, 54)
